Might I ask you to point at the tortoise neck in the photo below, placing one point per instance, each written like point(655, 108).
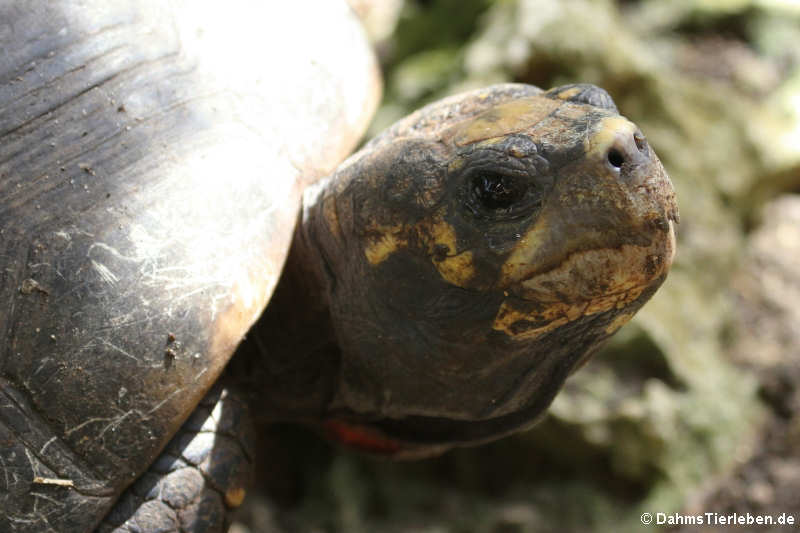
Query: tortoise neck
point(289, 360)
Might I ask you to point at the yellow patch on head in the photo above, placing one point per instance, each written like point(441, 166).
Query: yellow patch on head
point(440, 243)
point(608, 131)
point(614, 301)
point(490, 142)
point(386, 241)
point(557, 314)
point(443, 234)
point(525, 251)
point(504, 119)
point(456, 268)
point(569, 93)
point(553, 316)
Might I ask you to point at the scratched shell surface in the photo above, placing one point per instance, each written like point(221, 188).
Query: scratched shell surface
point(151, 161)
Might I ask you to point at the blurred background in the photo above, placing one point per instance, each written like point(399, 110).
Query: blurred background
point(694, 406)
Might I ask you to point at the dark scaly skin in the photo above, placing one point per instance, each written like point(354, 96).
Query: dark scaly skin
point(446, 280)
point(200, 477)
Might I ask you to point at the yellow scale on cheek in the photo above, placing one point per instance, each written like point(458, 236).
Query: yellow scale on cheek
point(386, 240)
point(455, 267)
point(557, 314)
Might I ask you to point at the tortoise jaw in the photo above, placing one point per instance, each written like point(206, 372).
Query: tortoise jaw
point(372, 440)
point(585, 283)
point(419, 437)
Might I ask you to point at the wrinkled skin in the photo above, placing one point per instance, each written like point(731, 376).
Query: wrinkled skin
point(445, 281)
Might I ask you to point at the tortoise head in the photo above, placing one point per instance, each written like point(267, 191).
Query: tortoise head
point(478, 252)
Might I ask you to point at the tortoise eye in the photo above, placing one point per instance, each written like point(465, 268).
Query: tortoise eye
point(496, 192)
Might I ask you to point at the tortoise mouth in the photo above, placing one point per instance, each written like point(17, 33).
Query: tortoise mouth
point(583, 283)
point(416, 437)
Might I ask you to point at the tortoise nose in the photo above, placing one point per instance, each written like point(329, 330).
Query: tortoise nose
point(627, 151)
point(621, 147)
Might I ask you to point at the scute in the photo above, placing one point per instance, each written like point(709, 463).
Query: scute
point(149, 184)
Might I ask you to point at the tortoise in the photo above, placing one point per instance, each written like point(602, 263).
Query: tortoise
point(434, 290)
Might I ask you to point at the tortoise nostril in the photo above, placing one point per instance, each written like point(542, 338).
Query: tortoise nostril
point(615, 158)
point(641, 142)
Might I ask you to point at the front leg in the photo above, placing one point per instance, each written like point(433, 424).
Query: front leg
point(199, 479)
